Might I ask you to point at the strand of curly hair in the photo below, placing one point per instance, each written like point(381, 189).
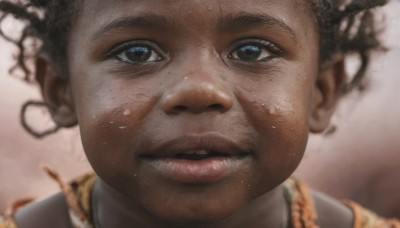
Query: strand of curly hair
point(45, 21)
point(358, 36)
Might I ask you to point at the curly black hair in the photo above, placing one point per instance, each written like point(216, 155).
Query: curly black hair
point(348, 29)
point(345, 27)
point(47, 21)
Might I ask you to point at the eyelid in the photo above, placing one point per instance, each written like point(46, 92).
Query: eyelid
point(117, 49)
point(271, 47)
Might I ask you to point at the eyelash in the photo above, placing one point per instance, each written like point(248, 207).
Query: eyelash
point(273, 49)
point(125, 46)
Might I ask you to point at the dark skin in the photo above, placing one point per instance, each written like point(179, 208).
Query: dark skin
point(238, 77)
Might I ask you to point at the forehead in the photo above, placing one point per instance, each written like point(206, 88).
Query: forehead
point(294, 14)
point(170, 5)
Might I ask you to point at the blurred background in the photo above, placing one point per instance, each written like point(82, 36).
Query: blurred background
point(360, 160)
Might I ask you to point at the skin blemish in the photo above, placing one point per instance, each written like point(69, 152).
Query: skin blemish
point(274, 110)
point(127, 113)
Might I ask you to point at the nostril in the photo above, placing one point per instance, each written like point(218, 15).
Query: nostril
point(181, 108)
point(215, 106)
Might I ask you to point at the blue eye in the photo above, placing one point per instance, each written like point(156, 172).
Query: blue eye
point(139, 54)
point(252, 52)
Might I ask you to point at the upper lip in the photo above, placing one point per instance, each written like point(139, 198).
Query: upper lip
point(207, 142)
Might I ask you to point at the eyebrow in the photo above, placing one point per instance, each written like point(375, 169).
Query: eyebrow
point(228, 22)
point(145, 21)
point(244, 19)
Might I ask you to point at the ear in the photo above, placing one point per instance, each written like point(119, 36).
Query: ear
point(56, 92)
point(328, 90)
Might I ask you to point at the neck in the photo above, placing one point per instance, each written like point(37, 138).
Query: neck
point(111, 209)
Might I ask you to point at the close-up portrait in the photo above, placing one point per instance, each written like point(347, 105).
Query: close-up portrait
point(199, 114)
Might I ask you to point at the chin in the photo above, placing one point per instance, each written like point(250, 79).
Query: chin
point(194, 211)
point(196, 217)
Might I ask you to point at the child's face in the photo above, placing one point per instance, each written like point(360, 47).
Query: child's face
point(230, 80)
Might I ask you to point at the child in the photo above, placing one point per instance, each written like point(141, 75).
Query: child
point(193, 113)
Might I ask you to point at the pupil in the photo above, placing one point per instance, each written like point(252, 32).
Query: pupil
point(249, 52)
point(138, 54)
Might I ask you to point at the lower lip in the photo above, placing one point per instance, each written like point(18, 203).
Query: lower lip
point(207, 170)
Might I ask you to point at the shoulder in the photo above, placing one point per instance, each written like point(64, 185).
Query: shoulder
point(51, 212)
point(59, 210)
point(331, 212)
point(313, 209)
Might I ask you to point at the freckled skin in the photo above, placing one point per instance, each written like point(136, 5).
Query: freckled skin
point(197, 87)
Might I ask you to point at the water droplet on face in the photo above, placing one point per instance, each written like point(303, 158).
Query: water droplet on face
point(111, 122)
point(123, 127)
point(273, 127)
point(274, 110)
point(127, 113)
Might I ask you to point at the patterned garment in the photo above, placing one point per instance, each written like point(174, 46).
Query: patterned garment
point(297, 194)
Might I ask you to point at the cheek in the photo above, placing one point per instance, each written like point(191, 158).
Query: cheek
point(109, 123)
point(104, 135)
point(285, 134)
point(280, 119)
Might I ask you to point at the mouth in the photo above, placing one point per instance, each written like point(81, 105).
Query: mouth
point(195, 155)
point(196, 147)
point(196, 159)
point(200, 154)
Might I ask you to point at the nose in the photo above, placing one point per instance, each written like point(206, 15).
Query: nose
point(196, 95)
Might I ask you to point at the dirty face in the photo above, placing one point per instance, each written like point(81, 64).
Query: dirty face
point(192, 109)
